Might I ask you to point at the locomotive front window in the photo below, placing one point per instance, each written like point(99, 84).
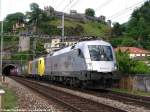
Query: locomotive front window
point(100, 53)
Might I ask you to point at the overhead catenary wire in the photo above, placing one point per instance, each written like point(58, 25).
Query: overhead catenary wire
point(57, 6)
point(70, 2)
point(122, 16)
point(126, 10)
point(103, 5)
point(74, 4)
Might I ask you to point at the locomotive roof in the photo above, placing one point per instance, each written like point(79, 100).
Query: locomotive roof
point(37, 59)
point(94, 42)
point(78, 45)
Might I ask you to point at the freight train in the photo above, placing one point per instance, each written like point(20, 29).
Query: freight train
point(86, 64)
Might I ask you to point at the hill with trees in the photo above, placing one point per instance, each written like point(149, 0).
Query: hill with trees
point(135, 32)
point(46, 21)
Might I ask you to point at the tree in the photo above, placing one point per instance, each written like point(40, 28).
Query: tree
point(12, 19)
point(90, 12)
point(116, 30)
point(124, 41)
point(36, 16)
point(139, 25)
point(34, 7)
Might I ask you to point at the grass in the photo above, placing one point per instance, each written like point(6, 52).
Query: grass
point(90, 27)
point(135, 92)
point(10, 99)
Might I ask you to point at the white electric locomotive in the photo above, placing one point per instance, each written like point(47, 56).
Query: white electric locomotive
point(86, 64)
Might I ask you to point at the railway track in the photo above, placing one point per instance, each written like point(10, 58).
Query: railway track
point(70, 102)
point(122, 97)
point(130, 99)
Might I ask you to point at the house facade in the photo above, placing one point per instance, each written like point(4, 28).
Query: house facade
point(134, 52)
point(56, 43)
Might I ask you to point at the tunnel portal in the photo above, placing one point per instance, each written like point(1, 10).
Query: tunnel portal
point(7, 69)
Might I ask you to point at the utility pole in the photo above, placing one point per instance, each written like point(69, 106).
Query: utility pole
point(34, 47)
point(1, 40)
point(1, 47)
point(63, 27)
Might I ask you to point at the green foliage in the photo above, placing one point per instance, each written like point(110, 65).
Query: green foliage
point(124, 41)
point(12, 19)
point(15, 17)
point(137, 28)
point(10, 42)
point(22, 56)
point(117, 30)
point(39, 21)
point(140, 68)
point(74, 31)
point(10, 38)
point(49, 29)
point(40, 47)
point(139, 25)
point(124, 62)
point(130, 66)
point(135, 92)
point(79, 28)
point(90, 12)
point(34, 7)
point(10, 99)
point(36, 16)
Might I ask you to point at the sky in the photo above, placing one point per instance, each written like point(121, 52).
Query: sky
point(115, 10)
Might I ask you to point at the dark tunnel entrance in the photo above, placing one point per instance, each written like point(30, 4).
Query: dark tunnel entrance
point(7, 69)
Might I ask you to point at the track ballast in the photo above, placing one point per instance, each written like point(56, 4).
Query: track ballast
point(71, 102)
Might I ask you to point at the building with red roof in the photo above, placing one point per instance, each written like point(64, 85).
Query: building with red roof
point(134, 52)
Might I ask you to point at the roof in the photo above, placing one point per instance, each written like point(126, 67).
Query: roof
point(80, 44)
point(133, 50)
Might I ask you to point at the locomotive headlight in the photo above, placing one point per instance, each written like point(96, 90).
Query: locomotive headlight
point(115, 66)
point(89, 66)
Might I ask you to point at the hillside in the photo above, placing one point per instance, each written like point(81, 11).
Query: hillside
point(75, 28)
point(135, 32)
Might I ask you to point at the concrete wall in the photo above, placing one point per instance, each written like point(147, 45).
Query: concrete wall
point(142, 83)
point(24, 43)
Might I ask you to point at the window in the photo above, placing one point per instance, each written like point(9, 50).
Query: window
point(100, 53)
point(80, 53)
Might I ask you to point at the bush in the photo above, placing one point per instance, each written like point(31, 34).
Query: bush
point(140, 68)
point(124, 62)
point(130, 66)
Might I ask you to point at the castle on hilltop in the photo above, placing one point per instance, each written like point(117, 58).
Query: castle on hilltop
point(74, 15)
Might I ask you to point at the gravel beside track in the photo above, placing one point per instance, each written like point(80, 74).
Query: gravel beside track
point(105, 101)
point(30, 101)
point(135, 100)
point(71, 102)
point(130, 99)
